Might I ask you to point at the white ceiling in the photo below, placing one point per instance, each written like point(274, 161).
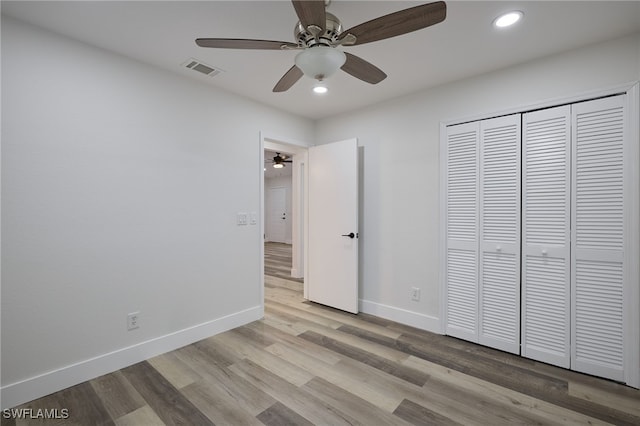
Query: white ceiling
point(162, 33)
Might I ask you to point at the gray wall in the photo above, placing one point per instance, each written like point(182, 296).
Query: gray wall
point(115, 200)
point(400, 165)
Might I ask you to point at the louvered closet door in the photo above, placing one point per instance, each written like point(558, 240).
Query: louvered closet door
point(499, 277)
point(546, 233)
point(598, 237)
point(461, 271)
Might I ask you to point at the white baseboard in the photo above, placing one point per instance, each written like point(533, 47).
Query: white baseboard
point(414, 319)
point(35, 387)
point(295, 273)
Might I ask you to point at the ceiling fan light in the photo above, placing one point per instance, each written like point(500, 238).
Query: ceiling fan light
point(508, 19)
point(320, 62)
point(320, 90)
point(278, 165)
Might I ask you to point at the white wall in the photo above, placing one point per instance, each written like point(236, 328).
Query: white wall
point(400, 185)
point(115, 200)
point(278, 182)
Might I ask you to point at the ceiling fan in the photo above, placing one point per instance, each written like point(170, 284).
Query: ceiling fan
point(279, 160)
point(319, 32)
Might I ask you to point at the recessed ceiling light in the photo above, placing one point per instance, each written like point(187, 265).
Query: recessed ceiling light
point(508, 19)
point(320, 89)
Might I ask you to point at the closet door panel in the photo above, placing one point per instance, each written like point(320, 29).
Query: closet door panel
point(598, 237)
point(546, 236)
point(461, 272)
point(499, 279)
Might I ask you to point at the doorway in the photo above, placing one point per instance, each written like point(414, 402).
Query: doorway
point(283, 212)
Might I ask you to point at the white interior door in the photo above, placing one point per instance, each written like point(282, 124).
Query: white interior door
point(546, 235)
point(332, 266)
point(277, 215)
point(499, 265)
point(461, 257)
point(598, 237)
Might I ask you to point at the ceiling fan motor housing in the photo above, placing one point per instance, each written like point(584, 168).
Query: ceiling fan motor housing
point(306, 38)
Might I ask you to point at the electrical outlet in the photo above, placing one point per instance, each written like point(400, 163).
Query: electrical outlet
point(133, 321)
point(241, 219)
point(415, 294)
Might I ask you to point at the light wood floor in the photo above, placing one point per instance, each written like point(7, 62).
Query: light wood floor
point(307, 364)
point(277, 261)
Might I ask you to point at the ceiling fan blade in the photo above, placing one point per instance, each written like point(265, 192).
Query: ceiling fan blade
point(365, 71)
point(398, 23)
point(241, 43)
point(288, 79)
point(311, 12)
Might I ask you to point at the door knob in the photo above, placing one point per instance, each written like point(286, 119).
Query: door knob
point(350, 235)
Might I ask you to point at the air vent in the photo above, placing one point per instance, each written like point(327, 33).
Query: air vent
point(208, 70)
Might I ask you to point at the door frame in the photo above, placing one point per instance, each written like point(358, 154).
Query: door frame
point(299, 203)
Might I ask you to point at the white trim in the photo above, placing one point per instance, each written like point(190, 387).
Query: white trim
point(261, 227)
point(632, 249)
point(282, 140)
point(443, 227)
point(548, 103)
point(44, 384)
point(305, 225)
point(402, 316)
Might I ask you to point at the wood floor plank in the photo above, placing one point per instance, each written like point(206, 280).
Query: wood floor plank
point(550, 413)
point(118, 396)
point(249, 350)
point(625, 403)
point(485, 368)
point(219, 406)
point(303, 314)
point(284, 296)
point(516, 378)
point(216, 353)
point(367, 386)
point(167, 402)
point(83, 404)
point(457, 405)
point(351, 404)
point(387, 352)
point(279, 415)
point(277, 260)
point(369, 335)
point(295, 398)
point(227, 382)
point(418, 415)
point(275, 282)
point(142, 416)
point(276, 321)
point(174, 370)
point(350, 319)
point(309, 349)
point(394, 368)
